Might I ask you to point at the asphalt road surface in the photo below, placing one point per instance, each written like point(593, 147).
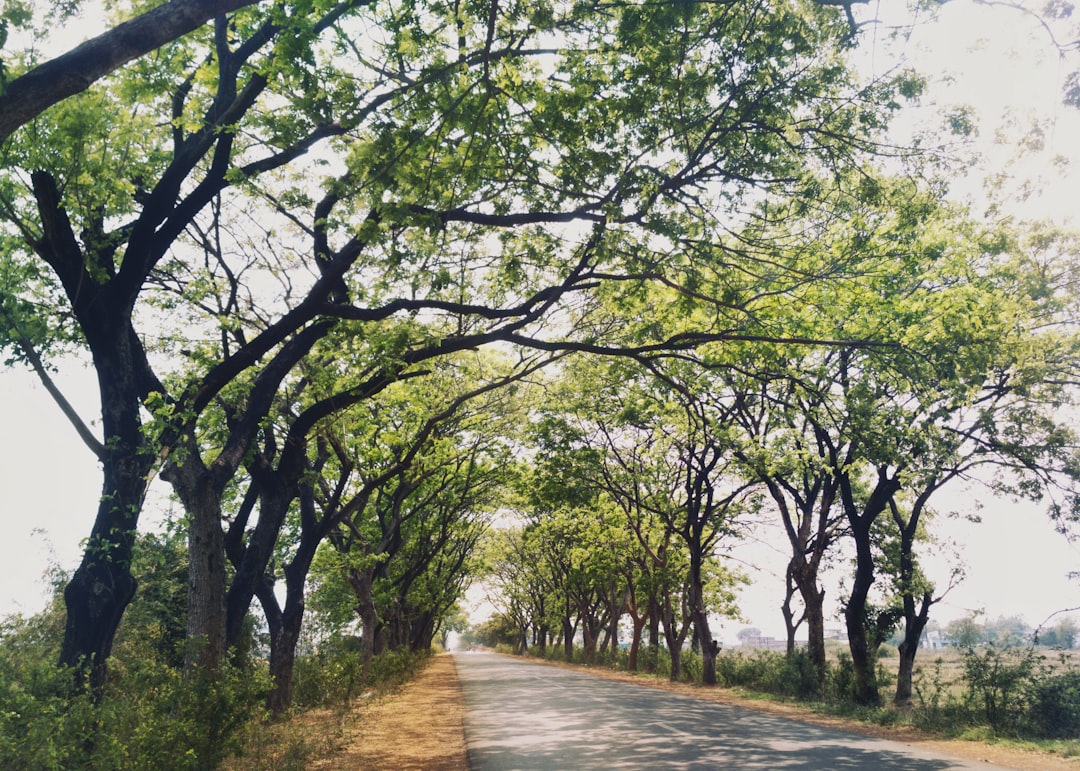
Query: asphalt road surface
point(521, 715)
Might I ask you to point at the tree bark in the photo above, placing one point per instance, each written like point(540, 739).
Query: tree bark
point(700, 616)
point(653, 654)
point(813, 599)
point(201, 498)
point(568, 638)
point(914, 625)
point(866, 691)
point(862, 641)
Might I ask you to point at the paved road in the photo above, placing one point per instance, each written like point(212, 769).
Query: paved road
point(521, 715)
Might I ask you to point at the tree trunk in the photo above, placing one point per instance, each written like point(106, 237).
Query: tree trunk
point(813, 599)
point(589, 632)
point(635, 642)
point(855, 617)
point(790, 625)
point(914, 623)
point(284, 630)
point(860, 644)
point(102, 586)
point(206, 550)
point(252, 559)
point(675, 654)
point(653, 654)
point(360, 583)
point(700, 615)
point(674, 637)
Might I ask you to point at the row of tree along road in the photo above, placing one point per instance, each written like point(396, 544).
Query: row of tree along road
point(355, 277)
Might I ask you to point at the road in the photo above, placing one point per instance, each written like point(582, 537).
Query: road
point(523, 715)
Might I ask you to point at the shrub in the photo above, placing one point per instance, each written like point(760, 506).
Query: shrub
point(840, 681)
point(770, 672)
point(936, 709)
point(149, 715)
point(998, 681)
point(1055, 706)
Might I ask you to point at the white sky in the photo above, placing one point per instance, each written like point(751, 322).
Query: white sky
point(1016, 563)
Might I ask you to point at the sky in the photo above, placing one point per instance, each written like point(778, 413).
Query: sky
point(1015, 563)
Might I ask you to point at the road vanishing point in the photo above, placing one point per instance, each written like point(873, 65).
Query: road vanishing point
point(521, 715)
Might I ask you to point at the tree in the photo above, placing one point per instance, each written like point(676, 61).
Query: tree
point(1061, 635)
point(660, 455)
point(105, 194)
point(965, 632)
point(785, 450)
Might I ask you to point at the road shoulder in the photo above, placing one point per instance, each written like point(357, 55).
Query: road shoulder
point(419, 728)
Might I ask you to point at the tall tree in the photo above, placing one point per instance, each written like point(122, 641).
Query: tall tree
point(471, 137)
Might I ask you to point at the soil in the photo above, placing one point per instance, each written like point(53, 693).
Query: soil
point(420, 727)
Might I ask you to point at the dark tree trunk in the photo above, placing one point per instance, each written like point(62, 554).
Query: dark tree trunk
point(859, 643)
point(674, 646)
point(283, 658)
point(916, 616)
point(102, 586)
point(914, 623)
point(284, 627)
point(700, 616)
point(863, 641)
point(653, 653)
point(206, 570)
point(675, 631)
point(791, 626)
point(813, 599)
point(360, 583)
point(252, 558)
point(590, 629)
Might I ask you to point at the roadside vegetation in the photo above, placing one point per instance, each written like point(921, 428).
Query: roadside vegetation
point(155, 714)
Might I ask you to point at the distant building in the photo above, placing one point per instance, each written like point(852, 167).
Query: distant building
point(764, 643)
point(932, 640)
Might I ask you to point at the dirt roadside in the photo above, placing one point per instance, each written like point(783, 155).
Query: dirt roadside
point(420, 728)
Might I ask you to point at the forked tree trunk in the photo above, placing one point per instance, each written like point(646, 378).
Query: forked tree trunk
point(914, 623)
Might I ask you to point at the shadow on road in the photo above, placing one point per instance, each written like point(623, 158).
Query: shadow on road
point(527, 716)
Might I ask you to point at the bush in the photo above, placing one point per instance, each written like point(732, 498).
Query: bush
point(936, 709)
point(998, 681)
point(840, 680)
point(335, 673)
point(149, 716)
point(1055, 706)
point(770, 672)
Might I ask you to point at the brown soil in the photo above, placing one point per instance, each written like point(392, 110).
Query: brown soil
point(419, 728)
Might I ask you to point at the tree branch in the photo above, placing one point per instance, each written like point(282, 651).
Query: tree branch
point(71, 73)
